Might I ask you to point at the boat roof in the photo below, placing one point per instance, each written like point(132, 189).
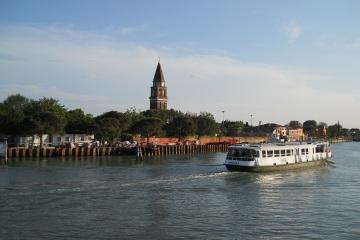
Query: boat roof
point(278, 145)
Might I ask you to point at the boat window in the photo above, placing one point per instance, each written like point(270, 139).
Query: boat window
point(320, 148)
point(288, 152)
point(282, 152)
point(276, 153)
point(270, 153)
point(242, 153)
point(303, 151)
point(307, 151)
point(263, 153)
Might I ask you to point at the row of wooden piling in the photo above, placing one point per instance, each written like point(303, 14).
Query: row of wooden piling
point(183, 149)
point(159, 150)
point(60, 152)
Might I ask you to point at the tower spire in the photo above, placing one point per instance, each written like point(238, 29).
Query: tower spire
point(158, 97)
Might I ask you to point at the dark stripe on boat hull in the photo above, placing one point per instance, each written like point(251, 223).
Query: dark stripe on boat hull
point(276, 167)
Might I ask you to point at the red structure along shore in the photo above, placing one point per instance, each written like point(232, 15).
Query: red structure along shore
point(199, 141)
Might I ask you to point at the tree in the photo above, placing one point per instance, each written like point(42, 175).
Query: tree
point(164, 115)
point(232, 128)
point(322, 124)
point(295, 124)
point(181, 127)
point(344, 132)
point(354, 132)
point(12, 114)
point(107, 129)
point(124, 120)
point(44, 116)
point(79, 122)
point(16, 101)
point(310, 127)
point(148, 127)
point(334, 130)
point(206, 124)
point(268, 128)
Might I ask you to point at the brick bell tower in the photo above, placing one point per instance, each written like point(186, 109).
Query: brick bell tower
point(158, 98)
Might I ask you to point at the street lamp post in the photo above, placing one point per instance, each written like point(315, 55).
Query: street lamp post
point(222, 123)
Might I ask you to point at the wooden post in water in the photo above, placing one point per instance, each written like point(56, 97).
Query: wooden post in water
point(10, 153)
point(37, 152)
point(6, 151)
point(87, 151)
point(63, 152)
point(103, 151)
point(76, 152)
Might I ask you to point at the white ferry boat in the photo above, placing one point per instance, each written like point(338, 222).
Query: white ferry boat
point(276, 156)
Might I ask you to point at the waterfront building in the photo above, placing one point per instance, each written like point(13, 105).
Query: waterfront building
point(158, 97)
point(280, 132)
point(289, 133)
point(295, 134)
point(77, 139)
point(50, 140)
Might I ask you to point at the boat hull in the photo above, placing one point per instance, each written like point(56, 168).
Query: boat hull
point(299, 165)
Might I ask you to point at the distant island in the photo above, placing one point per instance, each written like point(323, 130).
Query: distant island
point(21, 116)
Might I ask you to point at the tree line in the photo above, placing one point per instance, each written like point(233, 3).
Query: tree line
point(23, 116)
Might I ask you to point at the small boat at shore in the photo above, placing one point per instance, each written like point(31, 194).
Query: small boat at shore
point(276, 156)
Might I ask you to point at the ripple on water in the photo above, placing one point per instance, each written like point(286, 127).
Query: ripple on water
point(179, 197)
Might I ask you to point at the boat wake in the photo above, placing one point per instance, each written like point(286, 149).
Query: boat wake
point(178, 179)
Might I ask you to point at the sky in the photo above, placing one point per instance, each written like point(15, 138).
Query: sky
point(276, 60)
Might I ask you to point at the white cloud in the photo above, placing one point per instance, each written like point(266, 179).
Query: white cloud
point(132, 29)
point(293, 31)
point(98, 74)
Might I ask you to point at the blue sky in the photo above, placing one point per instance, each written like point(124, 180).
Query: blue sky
point(278, 60)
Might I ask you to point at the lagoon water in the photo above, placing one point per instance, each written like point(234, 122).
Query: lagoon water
point(178, 197)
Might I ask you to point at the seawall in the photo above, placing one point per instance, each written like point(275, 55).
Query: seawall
point(113, 151)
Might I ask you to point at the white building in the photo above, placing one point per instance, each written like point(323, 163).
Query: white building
point(77, 139)
point(54, 140)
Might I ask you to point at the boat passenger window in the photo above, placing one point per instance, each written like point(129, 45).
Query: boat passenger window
point(307, 151)
point(254, 153)
point(303, 151)
point(288, 152)
point(282, 152)
point(242, 154)
point(270, 153)
point(276, 153)
point(320, 148)
point(263, 153)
